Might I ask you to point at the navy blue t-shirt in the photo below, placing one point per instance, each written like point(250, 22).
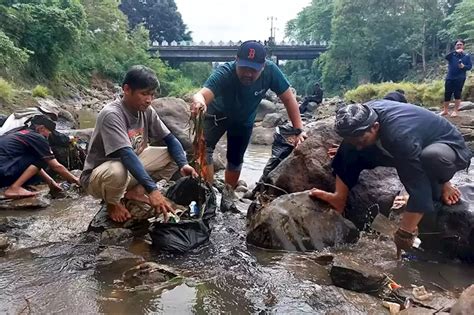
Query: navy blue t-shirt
point(14, 146)
point(239, 102)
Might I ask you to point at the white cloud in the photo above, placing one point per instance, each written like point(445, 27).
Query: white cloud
point(237, 20)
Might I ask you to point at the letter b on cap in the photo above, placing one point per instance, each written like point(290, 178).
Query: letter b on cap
point(251, 53)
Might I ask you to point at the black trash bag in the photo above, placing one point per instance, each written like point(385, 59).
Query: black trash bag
point(187, 189)
point(3, 118)
point(280, 148)
point(188, 233)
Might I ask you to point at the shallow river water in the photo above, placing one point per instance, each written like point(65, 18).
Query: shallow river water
point(52, 268)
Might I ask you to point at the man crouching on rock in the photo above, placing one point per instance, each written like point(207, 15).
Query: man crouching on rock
point(119, 160)
point(426, 150)
point(24, 154)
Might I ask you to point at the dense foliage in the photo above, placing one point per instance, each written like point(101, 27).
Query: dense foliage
point(53, 41)
point(378, 40)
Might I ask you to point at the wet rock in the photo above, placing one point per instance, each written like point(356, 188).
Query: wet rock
point(465, 123)
point(4, 242)
point(465, 304)
point(82, 134)
point(148, 274)
point(262, 136)
point(267, 107)
point(116, 236)
point(296, 222)
point(466, 106)
point(272, 120)
point(376, 188)
point(356, 276)
point(112, 255)
point(219, 156)
point(175, 114)
point(271, 96)
point(228, 200)
point(32, 203)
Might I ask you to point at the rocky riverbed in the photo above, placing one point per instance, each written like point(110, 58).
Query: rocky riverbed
point(50, 264)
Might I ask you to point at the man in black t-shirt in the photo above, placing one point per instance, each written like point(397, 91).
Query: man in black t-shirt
point(24, 154)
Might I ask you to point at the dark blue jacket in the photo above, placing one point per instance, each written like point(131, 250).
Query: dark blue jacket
point(405, 130)
point(454, 72)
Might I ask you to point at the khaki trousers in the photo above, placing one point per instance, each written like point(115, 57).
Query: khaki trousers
point(111, 180)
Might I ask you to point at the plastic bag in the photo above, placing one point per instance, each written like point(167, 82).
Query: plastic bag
point(188, 233)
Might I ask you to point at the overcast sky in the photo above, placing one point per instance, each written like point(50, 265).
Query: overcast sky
point(238, 19)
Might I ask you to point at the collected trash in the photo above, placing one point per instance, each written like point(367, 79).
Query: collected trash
point(394, 308)
point(188, 229)
point(421, 294)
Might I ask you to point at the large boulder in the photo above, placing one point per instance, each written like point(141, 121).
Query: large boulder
point(273, 120)
point(267, 107)
point(296, 222)
point(465, 304)
point(374, 193)
point(262, 136)
point(175, 114)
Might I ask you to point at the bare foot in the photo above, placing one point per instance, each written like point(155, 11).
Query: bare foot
point(450, 194)
point(444, 113)
point(118, 213)
point(335, 201)
point(19, 192)
point(454, 113)
point(137, 196)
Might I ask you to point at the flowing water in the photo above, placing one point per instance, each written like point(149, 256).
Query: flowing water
point(53, 268)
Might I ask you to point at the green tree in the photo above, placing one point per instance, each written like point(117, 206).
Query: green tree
point(461, 21)
point(160, 17)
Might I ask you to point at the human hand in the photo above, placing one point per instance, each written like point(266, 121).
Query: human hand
point(54, 188)
point(404, 240)
point(197, 107)
point(160, 204)
point(459, 51)
point(188, 170)
point(333, 150)
point(461, 65)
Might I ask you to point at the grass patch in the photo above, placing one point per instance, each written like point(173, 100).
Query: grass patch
point(40, 91)
point(429, 94)
point(6, 90)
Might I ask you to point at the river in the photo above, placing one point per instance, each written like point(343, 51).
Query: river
point(53, 268)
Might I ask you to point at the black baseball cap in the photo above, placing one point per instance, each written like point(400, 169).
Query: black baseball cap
point(251, 54)
point(44, 121)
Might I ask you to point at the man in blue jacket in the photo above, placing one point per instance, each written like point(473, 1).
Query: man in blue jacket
point(458, 64)
point(426, 150)
point(120, 161)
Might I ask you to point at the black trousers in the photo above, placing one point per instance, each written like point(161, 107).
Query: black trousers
point(438, 161)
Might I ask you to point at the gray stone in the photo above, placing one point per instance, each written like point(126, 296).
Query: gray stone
point(262, 136)
point(356, 276)
point(219, 156)
point(466, 106)
point(272, 120)
point(39, 201)
point(175, 114)
point(465, 304)
point(4, 242)
point(271, 96)
point(117, 236)
point(297, 222)
point(267, 107)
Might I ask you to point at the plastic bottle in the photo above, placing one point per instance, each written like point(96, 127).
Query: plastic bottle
point(193, 209)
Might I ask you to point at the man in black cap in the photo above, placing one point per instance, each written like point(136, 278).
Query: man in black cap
point(24, 154)
point(426, 150)
point(397, 96)
point(230, 98)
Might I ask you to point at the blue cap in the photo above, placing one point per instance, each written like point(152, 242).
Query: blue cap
point(251, 54)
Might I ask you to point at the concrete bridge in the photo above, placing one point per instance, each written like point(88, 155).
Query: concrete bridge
point(186, 51)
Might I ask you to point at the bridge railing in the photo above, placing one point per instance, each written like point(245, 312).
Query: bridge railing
point(231, 43)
